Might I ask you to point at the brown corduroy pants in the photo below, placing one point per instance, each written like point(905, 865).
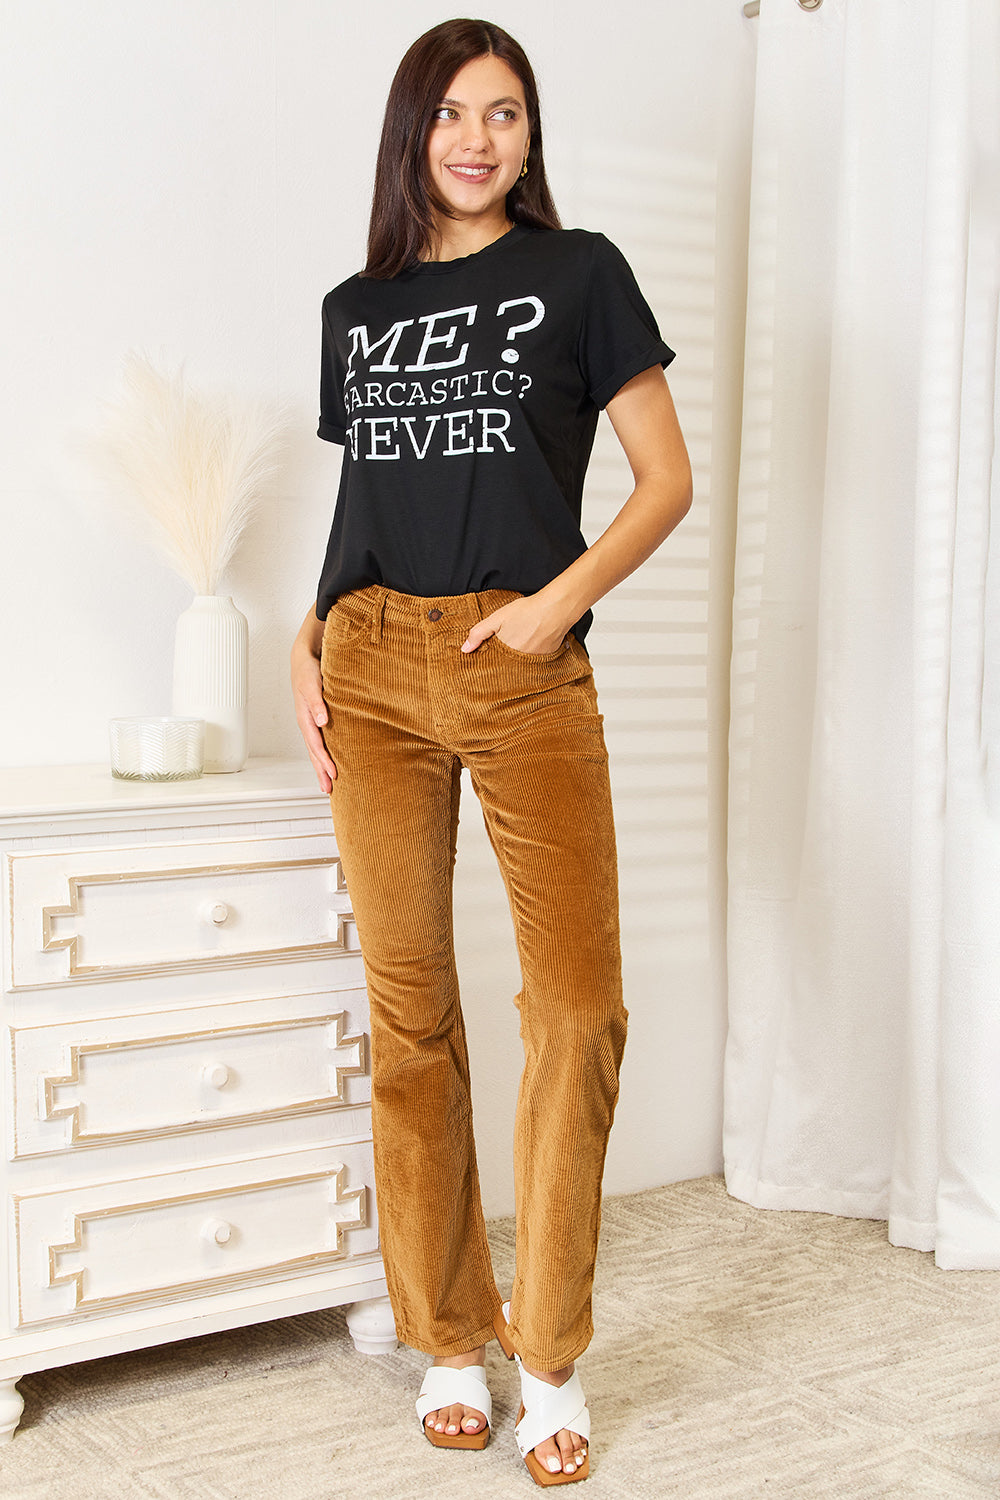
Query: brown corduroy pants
point(407, 710)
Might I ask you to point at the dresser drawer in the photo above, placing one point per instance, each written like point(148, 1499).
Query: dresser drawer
point(99, 1083)
point(93, 913)
point(110, 1246)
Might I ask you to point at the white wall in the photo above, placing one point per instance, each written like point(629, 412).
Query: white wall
point(190, 178)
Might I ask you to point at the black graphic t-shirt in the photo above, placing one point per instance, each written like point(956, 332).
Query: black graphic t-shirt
point(466, 393)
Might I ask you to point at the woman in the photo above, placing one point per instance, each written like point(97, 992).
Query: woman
point(464, 370)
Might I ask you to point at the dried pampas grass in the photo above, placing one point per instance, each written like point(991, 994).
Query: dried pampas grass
point(195, 463)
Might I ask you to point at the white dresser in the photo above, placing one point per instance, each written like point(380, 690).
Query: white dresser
point(186, 1121)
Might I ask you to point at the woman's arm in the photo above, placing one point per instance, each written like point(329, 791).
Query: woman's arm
point(645, 422)
point(307, 690)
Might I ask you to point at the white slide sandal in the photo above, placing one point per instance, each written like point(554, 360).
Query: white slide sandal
point(444, 1387)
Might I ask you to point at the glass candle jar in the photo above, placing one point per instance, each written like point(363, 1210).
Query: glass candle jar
point(164, 749)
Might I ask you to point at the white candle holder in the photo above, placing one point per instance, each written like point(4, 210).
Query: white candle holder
point(164, 749)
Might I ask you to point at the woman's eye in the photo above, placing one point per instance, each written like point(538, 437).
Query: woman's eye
point(448, 112)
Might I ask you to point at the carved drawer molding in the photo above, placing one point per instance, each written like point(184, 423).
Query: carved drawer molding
point(105, 1082)
point(107, 912)
point(105, 1247)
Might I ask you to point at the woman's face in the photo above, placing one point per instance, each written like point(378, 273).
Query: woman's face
point(478, 140)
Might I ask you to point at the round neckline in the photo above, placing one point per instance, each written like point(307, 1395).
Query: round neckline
point(444, 267)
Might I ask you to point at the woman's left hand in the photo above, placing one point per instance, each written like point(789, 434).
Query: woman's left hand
point(523, 624)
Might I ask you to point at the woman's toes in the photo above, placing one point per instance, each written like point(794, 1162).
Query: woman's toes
point(451, 1420)
point(549, 1456)
point(455, 1419)
point(569, 1450)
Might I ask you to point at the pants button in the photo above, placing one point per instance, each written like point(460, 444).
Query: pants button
point(433, 614)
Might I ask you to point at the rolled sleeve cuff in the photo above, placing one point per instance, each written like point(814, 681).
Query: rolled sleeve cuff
point(657, 354)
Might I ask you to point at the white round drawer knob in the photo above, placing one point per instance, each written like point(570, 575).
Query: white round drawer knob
point(217, 1232)
point(216, 1075)
point(217, 913)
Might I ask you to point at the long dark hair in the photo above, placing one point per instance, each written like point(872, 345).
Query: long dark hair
point(403, 201)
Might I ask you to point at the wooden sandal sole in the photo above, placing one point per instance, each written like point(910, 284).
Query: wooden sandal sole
point(502, 1337)
point(472, 1440)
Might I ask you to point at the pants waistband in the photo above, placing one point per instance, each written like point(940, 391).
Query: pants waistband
point(375, 604)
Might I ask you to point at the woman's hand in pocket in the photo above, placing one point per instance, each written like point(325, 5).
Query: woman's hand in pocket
point(527, 624)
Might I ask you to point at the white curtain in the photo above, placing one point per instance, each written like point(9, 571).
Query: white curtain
point(863, 1062)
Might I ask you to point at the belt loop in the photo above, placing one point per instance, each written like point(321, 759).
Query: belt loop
point(378, 620)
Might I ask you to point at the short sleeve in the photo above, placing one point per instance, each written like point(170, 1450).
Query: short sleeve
point(618, 333)
point(332, 416)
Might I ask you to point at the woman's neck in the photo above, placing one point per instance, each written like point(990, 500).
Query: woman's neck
point(455, 238)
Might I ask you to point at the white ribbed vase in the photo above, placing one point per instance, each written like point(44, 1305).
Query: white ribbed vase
point(210, 677)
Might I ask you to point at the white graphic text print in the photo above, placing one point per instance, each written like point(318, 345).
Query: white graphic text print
point(391, 379)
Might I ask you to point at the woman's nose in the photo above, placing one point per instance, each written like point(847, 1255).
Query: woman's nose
point(474, 135)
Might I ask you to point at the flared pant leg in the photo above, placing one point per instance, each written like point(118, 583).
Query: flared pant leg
point(395, 813)
point(548, 812)
point(408, 709)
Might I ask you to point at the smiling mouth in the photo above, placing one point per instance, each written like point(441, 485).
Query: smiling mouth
point(470, 174)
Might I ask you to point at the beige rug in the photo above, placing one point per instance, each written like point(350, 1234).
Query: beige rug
point(739, 1354)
